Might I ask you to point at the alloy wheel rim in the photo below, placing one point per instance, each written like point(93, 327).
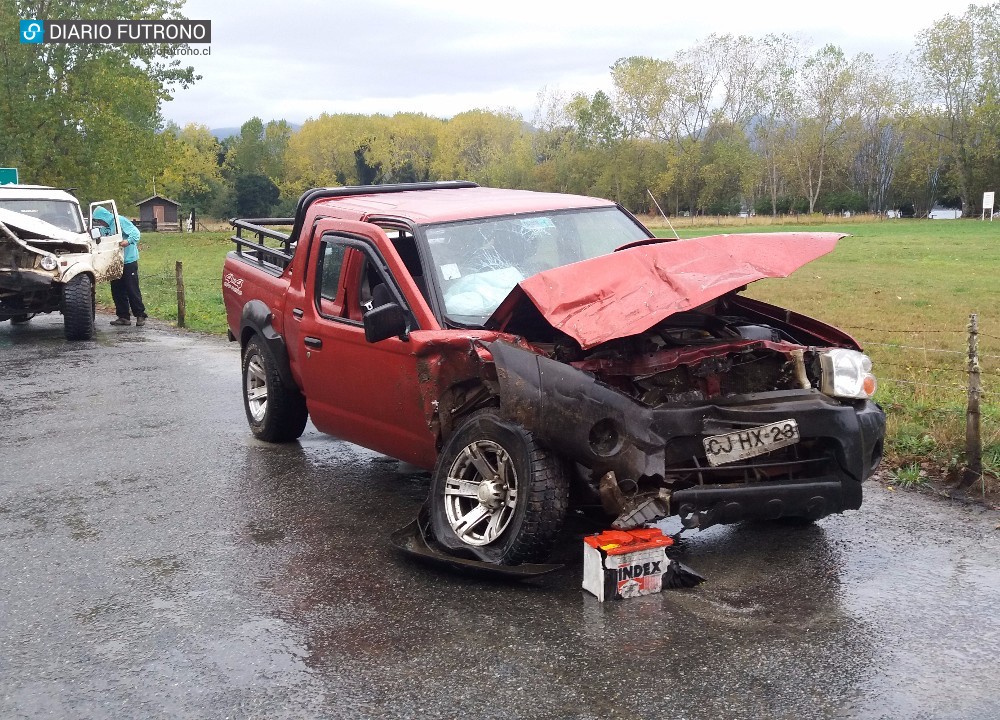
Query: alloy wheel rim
point(481, 493)
point(256, 388)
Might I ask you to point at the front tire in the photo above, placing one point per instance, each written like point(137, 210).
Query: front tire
point(496, 493)
point(78, 308)
point(276, 413)
point(21, 319)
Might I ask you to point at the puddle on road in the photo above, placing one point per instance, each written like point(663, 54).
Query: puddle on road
point(158, 568)
point(80, 527)
point(263, 535)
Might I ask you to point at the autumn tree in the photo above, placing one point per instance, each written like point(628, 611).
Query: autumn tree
point(325, 151)
point(731, 171)
point(489, 147)
point(926, 171)
point(825, 103)
point(192, 175)
point(771, 128)
point(402, 147)
point(959, 60)
point(884, 101)
point(641, 91)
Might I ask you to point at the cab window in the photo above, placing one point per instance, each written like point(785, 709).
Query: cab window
point(329, 272)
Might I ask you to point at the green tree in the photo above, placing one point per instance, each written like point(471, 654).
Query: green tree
point(257, 152)
point(86, 115)
point(255, 195)
point(259, 149)
point(959, 60)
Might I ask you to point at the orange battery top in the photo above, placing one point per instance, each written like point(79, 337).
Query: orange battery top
point(620, 542)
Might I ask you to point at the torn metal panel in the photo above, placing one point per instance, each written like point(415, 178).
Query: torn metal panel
point(450, 374)
point(417, 540)
point(34, 229)
point(572, 412)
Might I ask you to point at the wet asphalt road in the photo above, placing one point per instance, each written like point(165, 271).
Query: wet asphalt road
point(157, 561)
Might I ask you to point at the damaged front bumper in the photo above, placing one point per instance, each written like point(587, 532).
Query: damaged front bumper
point(417, 540)
point(649, 449)
point(21, 281)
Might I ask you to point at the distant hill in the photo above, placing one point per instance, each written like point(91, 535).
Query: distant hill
point(223, 133)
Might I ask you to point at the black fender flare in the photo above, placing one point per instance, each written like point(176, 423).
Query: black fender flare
point(256, 320)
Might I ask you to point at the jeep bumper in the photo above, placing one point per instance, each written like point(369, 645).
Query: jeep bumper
point(24, 280)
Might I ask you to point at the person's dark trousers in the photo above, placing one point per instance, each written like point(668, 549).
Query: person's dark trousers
point(126, 292)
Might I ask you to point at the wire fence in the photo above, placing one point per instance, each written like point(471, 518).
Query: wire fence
point(930, 357)
point(941, 388)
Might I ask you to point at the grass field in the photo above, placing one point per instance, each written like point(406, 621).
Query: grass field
point(904, 288)
point(202, 255)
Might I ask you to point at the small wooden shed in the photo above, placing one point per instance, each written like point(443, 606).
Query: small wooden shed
point(158, 213)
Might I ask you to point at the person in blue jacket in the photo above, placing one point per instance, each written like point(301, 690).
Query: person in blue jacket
point(125, 290)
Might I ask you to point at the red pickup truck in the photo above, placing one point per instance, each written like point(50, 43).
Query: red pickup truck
point(520, 344)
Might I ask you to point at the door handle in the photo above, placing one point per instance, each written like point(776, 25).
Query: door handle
point(298, 313)
point(313, 342)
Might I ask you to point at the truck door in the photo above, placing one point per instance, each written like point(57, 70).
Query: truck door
point(363, 392)
point(108, 256)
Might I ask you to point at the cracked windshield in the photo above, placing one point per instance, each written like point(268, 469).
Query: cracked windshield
point(480, 261)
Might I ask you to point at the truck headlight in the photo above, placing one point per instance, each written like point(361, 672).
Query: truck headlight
point(847, 374)
point(49, 262)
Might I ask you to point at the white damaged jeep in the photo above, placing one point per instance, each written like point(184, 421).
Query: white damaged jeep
point(50, 261)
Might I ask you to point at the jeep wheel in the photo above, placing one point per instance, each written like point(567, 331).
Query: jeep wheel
point(496, 493)
point(276, 412)
point(21, 319)
point(78, 308)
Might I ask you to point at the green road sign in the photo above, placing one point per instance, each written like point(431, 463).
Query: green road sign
point(8, 176)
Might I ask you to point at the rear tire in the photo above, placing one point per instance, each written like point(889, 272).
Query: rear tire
point(276, 413)
point(21, 319)
point(78, 308)
point(496, 493)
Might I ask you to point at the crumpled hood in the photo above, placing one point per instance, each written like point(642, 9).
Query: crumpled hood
point(39, 229)
point(627, 292)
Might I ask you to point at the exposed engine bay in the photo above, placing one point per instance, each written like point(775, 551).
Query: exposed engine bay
point(697, 355)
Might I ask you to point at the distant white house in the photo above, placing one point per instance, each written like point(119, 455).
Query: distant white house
point(940, 213)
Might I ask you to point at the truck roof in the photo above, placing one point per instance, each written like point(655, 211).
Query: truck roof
point(35, 192)
point(451, 204)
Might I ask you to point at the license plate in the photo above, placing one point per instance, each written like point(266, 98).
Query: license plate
point(743, 444)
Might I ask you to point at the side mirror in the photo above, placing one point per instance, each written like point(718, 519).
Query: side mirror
point(95, 233)
point(384, 322)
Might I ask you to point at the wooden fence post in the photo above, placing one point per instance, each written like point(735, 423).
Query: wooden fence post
point(180, 294)
point(973, 441)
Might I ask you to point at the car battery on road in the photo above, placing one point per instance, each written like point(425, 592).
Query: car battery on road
point(619, 564)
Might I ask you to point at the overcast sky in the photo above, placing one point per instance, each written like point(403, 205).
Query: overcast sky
point(298, 59)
